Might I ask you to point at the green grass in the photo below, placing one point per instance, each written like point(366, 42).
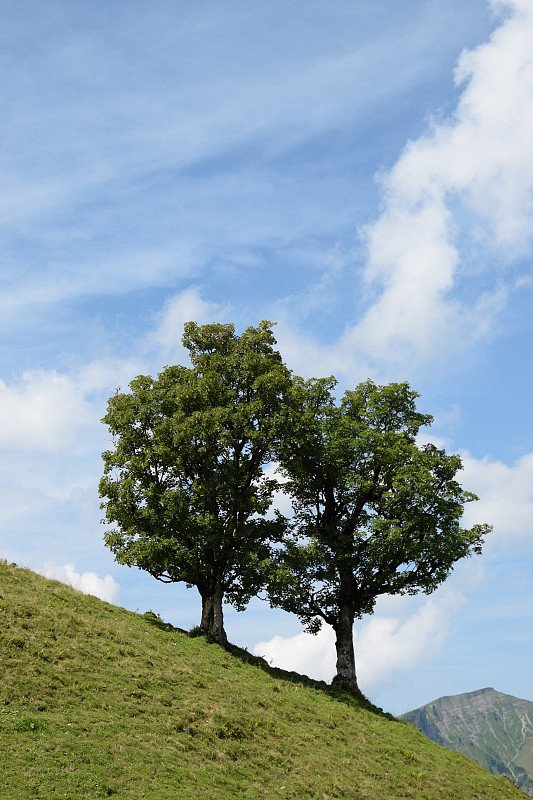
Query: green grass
point(96, 701)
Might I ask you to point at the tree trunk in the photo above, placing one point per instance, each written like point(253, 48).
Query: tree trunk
point(345, 677)
point(212, 623)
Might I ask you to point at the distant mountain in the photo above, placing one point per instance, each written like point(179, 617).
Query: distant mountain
point(491, 728)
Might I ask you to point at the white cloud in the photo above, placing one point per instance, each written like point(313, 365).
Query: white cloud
point(476, 166)
point(103, 375)
point(308, 357)
point(280, 501)
point(383, 644)
point(43, 411)
point(386, 644)
point(51, 412)
point(303, 653)
point(87, 582)
point(181, 308)
point(506, 501)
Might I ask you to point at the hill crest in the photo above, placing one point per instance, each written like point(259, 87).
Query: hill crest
point(96, 701)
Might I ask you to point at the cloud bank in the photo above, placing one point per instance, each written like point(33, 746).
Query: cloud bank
point(383, 644)
point(505, 501)
point(87, 582)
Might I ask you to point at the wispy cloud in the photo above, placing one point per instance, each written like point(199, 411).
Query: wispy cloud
point(129, 118)
point(457, 206)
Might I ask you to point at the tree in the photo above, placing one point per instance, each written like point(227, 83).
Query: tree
point(184, 486)
point(374, 512)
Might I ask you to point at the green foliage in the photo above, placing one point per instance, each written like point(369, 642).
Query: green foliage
point(123, 708)
point(375, 513)
point(184, 486)
point(185, 490)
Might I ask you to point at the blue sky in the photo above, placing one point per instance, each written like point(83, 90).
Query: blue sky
point(361, 173)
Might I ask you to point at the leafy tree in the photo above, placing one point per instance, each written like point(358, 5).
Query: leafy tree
point(184, 486)
point(374, 512)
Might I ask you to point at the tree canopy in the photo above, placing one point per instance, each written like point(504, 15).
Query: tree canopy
point(184, 487)
point(186, 494)
point(374, 511)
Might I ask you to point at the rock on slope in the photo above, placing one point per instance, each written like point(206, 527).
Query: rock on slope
point(491, 728)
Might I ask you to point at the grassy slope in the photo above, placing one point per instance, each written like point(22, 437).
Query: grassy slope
point(96, 701)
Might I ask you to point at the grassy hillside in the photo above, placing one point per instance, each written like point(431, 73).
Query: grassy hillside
point(492, 728)
point(96, 701)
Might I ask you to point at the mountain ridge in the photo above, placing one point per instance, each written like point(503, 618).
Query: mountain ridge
point(492, 728)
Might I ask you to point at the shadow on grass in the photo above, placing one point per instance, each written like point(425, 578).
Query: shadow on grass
point(157, 622)
point(355, 699)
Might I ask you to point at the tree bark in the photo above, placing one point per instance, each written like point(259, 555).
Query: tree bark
point(212, 623)
point(343, 627)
